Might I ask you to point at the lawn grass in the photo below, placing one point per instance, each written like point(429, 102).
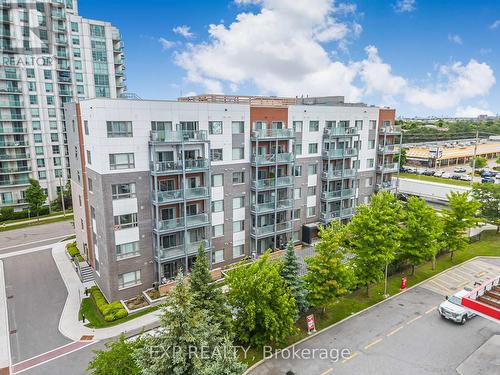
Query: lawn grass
point(35, 223)
point(96, 320)
point(421, 177)
point(70, 211)
point(489, 245)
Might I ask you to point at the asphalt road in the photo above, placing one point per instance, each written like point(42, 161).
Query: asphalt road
point(404, 335)
point(35, 236)
point(38, 297)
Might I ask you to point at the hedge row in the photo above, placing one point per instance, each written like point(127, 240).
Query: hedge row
point(72, 249)
point(111, 311)
point(7, 213)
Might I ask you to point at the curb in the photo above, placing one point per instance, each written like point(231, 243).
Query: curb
point(255, 365)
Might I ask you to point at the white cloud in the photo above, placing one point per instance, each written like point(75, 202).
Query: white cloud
point(495, 24)
point(166, 44)
point(402, 6)
point(183, 30)
point(471, 111)
point(454, 38)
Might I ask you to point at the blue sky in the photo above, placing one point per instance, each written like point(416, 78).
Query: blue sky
point(424, 57)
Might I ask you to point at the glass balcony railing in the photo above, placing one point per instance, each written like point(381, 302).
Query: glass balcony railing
point(196, 193)
point(273, 133)
point(394, 129)
point(23, 169)
point(269, 183)
point(12, 130)
point(388, 168)
point(9, 76)
point(171, 224)
point(338, 174)
point(386, 185)
point(285, 157)
point(20, 181)
point(12, 117)
point(168, 196)
point(196, 220)
point(338, 194)
point(283, 204)
point(12, 202)
point(12, 103)
point(11, 90)
point(176, 166)
point(389, 149)
point(180, 251)
point(271, 229)
point(14, 156)
point(338, 214)
point(340, 153)
point(178, 136)
point(14, 144)
point(338, 132)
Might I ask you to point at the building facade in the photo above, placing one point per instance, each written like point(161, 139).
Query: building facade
point(154, 180)
point(49, 56)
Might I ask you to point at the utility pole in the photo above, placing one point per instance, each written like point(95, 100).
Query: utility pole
point(399, 160)
point(62, 196)
point(474, 158)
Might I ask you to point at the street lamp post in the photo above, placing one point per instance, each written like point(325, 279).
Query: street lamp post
point(385, 279)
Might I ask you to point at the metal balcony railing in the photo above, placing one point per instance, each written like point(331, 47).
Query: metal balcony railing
point(176, 166)
point(285, 157)
point(389, 149)
point(393, 129)
point(338, 214)
point(269, 183)
point(338, 174)
point(386, 185)
point(179, 251)
point(340, 153)
point(273, 133)
point(271, 229)
point(388, 168)
point(338, 194)
point(338, 132)
point(178, 136)
point(282, 204)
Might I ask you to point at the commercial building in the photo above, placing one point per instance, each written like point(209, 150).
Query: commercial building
point(49, 56)
point(154, 180)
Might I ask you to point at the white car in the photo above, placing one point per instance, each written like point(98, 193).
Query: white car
point(446, 175)
point(438, 173)
point(452, 308)
point(466, 177)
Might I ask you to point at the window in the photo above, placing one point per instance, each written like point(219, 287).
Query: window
point(74, 27)
point(36, 125)
point(238, 202)
point(31, 86)
point(218, 230)
point(49, 87)
point(371, 145)
point(40, 163)
point(42, 175)
point(119, 129)
point(373, 124)
point(125, 221)
point(369, 182)
point(298, 149)
point(355, 164)
point(53, 125)
point(30, 72)
point(238, 127)
point(33, 100)
point(218, 256)
point(311, 211)
point(218, 206)
point(387, 123)
point(238, 251)
point(238, 177)
point(56, 149)
point(50, 100)
point(52, 112)
point(39, 150)
point(129, 279)
point(47, 74)
point(358, 124)
point(311, 191)
point(217, 180)
point(296, 214)
point(313, 148)
point(78, 65)
point(216, 154)
point(58, 173)
point(90, 184)
point(313, 126)
point(297, 170)
point(127, 250)
point(37, 138)
point(86, 127)
point(215, 127)
point(297, 193)
point(369, 163)
point(123, 191)
point(238, 226)
point(57, 161)
point(121, 161)
point(297, 126)
point(89, 157)
point(238, 153)
point(312, 169)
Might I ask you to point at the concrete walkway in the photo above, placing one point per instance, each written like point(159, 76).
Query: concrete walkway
point(68, 215)
point(69, 325)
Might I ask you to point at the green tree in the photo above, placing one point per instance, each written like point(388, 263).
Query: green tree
point(56, 204)
point(480, 162)
point(262, 302)
point(403, 157)
point(117, 359)
point(374, 234)
point(224, 361)
point(421, 233)
point(498, 160)
point(290, 273)
point(206, 295)
point(457, 218)
point(488, 195)
point(35, 197)
point(330, 274)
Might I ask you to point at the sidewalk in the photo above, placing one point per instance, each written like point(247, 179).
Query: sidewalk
point(69, 325)
point(4, 324)
point(68, 215)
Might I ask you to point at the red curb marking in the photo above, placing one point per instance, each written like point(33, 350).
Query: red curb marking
point(45, 357)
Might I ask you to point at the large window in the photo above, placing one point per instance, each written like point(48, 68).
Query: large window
point(313, 148)
point(121, 161)
point(125, 221)
point(218, 206)
point(215, 127)
point(217, 180)
point(311, 211)
point(122, 191)
point(129, 279)
point(238, 177)
point(218, 256)
point(238, 153)
point(238, 127)
point(119, 129)
point(238, 226)
point(238, 251)
point(216, 154)
point(313, 126)
point(218, 230)
point(127, 250)
point(238, 202)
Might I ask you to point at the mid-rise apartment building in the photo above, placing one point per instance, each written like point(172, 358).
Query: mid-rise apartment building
point(49, 56)
point(154, 180)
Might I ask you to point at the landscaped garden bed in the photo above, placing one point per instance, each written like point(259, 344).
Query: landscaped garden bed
point(136, 303)
point(153, 295)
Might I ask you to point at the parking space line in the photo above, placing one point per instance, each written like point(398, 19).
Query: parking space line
point(327, 371)
point(469, 276)
point(431, 310)
point(355, 354)
point(455, 277)
point(395, 331)
point(414, 319)
point(441, 287)
point(373, 343)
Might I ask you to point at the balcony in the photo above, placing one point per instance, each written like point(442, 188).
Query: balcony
point(338, 174)
point(170, 225)
point(269, 159)
point(14, 144)
point(284, 204)
point(196, 193)
point(13, 130)
point(389, 149)
point(390, 130)
point(165, 136)
point(340, 153)
point(168, 196)
point(11, 104)
point(13, 202)
point(12, 117)
point(340, 132)
point(12, 170)
point(197, 220)
point(14, 157)
point(11, 90)
point(343, 213)
point(9, 76)
point(386, 186)
point(271, 229)
point(338, 194)
point(388, 168)
point(271, 183)
point(180, 251)
point(15, 182)
point(167, 167)
point(265, 134)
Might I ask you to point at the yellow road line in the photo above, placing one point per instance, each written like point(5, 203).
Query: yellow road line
point(469, 276)
point(414, 319)
point(327, 371)
point(355, 354)
point(372, 343)
point(395, 331)
point(442, 287)
point(431, 310)
point(455, 277)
